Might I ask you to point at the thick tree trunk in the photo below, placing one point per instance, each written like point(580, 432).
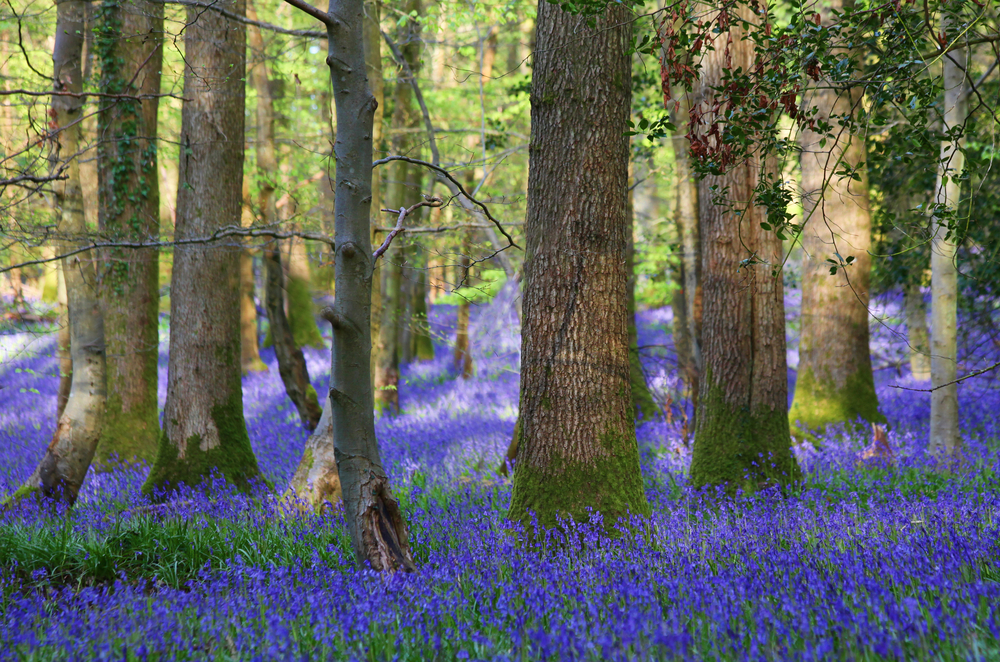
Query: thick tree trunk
point(916, 326)
point(374, 519)
point(642, 399)
point(129, 210)
point(62, 469)
point(944, 436)
point(203, 425)
point(741, 435)
point(576, 447)
point(291, 362)
point(316, 481)
point(398, 194)
point(835, 383)
point(63, 347)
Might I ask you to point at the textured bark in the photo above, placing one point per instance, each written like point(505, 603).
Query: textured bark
point(916, 326)
point(689, 233)
point(835, 382)
point(398, 194)
point(374, 519)
point(129, 46)
point(203, 426)
point(62, 469)
point(291, 362)
point(298, 290)
point(316, 481)
point(642, 399)
point(742, 434)
point(576, 448)
point(944, 436)
point(63, 347)
point(372, 34)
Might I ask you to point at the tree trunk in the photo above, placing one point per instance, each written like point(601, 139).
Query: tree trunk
point(298, 289)
point(316, 481)
point(374, 519)
point(916, 325)
point(372, 33)
point(62, 469)
point(249, 344)
point(642, 399)
point(742, 434)
point(423, 346)
point(576, 446)
point(129, 210)
point(203, 425)
point(835, 383)
point(689, 234)
point(398, 194)
point(64, 347)
point(944, 436)
point(462, 359)
point(291, 362)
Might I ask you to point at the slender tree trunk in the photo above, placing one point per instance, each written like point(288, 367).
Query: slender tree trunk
point(372, 33)
point(129, 210)
point(944, 436)
point(62, 469)
point(742, 434)
point(642, 399)
point(835, 382)
point(291, 362)
point(203, 425)
point(374, 519)
point(398, 194)
point(64, 347)
point(463, 351)
point(689, 234)
point(423, 346)
point(916, 325)
point(576, 444)
point(298, 288)
point(249, 344)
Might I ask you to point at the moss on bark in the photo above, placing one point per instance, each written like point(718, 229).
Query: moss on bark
point(232, 458)
point(127, 436)
point(819, 402)
point(740, 448)
point(301, 316)
point(567, 488)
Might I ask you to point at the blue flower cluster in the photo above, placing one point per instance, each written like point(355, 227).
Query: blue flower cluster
point(859, 562)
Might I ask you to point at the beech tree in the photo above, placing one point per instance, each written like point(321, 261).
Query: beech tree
point(575, 440)
point(203, 426)
point(129, 41)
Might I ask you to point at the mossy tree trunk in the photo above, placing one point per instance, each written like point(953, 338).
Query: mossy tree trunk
point(249, 341)
point(642, 399)
point(129, 210)
point(835, 382)
point(576, 448)
point(916, 327)
point(944, 434)
point(374, 519)
point(398, 194)
point(298, 290)
point(741, 435)
point(316, 481)
point(203, 426)
point(64, 465)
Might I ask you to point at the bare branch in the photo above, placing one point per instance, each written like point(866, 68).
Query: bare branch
point(403, 213)
point(310, 34)
point(954, 381)
point(81, 95)
point(33, 179)
point(444, 228)
point(321, 16)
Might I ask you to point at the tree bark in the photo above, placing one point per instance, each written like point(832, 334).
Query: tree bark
point(203, 426)
point(462, 359)
point(642, 399)
point(62, 469)
point(423, 346)
point(944, 434)
point(129, 45)
point(576, 446)
point(63, 345)
point(298, 289)
point(916, 326)
point(835, 383)
point(316, 481)
point(374, 519)
point(249, 343)
point(742, 434)
point(372, 33)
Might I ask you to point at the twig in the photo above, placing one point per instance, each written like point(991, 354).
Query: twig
point(954, 381)
point(403, 213)
point(312, 34)
point(444, 228)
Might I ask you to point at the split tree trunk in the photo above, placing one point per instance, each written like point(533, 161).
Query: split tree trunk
point(62, 469)
point(944, 436)
point(741, 434)
point(576, 447)
point(203, 426)
point(835, 383)
point(130, 48)
point(374, 519)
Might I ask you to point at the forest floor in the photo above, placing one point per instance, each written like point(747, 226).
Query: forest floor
point(858, 562)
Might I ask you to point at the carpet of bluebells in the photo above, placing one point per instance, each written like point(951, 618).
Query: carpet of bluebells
point(860, 561)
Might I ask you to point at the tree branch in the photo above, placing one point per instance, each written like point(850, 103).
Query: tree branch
point(321, 16)
point(954, 381)
point(403, 213)
point(311, 34)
